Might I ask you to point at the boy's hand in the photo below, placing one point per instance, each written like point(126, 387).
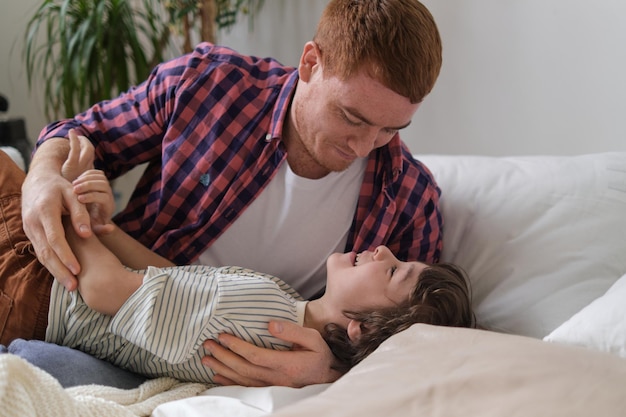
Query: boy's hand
point(94, 190)
point(91, 186)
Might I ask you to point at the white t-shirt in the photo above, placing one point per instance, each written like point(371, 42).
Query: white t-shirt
point(292, 227)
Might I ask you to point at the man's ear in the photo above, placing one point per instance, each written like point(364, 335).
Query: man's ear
point(310, 60)
point(354, 330)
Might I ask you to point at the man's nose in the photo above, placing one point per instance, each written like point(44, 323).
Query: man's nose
point(363, 144)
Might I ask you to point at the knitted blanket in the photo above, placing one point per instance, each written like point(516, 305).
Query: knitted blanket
point(26, 390)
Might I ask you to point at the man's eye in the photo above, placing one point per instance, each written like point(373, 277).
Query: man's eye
point(393, 269)
point(350, 121)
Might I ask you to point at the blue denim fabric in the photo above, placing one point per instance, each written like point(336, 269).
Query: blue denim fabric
point(72, 367)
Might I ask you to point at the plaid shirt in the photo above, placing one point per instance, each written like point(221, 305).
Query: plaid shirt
point(209, 126)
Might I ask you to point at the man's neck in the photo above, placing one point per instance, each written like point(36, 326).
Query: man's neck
point(303, 165)
point(299, 159)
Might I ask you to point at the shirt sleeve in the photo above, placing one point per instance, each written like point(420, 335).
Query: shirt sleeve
point(128, 130)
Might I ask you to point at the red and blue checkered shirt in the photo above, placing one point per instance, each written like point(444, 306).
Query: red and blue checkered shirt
point(209, 126)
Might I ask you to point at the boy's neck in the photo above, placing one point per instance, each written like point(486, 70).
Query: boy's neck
point(318, 313)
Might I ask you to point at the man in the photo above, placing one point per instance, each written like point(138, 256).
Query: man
point(246, 153)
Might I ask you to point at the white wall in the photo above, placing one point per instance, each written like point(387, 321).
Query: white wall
point(527, 76)
point(519, 76)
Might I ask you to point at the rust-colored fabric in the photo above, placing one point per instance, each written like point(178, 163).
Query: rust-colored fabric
point(24, 283)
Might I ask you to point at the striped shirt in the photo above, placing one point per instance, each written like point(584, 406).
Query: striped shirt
point(209, 126)
point(160, 329)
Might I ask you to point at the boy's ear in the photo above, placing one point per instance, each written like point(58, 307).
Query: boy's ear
point(354, 330)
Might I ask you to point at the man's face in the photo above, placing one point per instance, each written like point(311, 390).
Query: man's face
point(338, 121)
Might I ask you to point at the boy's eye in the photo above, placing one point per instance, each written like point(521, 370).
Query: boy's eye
point(393, 269)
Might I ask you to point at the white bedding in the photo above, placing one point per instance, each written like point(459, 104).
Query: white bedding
point(601, 325)
point(27, 391)
point(238, 401)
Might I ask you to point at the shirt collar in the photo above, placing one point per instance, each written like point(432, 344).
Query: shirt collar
point(279, 114)
point(391, 152)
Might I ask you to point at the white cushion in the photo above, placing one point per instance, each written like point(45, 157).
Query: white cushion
point(540, 236)
point(601, 325)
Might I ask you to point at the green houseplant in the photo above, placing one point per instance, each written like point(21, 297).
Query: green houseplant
point(85, 51)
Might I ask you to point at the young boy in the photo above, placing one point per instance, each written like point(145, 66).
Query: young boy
point(154, 318)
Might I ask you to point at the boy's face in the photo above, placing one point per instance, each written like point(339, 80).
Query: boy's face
point(370, 280)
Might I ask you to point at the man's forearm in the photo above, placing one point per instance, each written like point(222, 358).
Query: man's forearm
point(46, 196)
point(50, 156)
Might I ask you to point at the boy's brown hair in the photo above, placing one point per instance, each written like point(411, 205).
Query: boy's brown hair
point(441, 297)
point(395, 41)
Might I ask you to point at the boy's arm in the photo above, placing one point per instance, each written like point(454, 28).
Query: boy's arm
point(103, 282)
point(130, 252)
point(94, 190)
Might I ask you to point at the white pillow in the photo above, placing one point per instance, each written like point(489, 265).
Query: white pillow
point(601, 325)
point(540, 236)
point(455, 372)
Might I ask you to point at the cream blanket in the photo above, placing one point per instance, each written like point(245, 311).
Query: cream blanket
point(26, 390)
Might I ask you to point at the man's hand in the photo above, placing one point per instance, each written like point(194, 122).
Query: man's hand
point(80, 157)
point(46, 197)
point(236, 362)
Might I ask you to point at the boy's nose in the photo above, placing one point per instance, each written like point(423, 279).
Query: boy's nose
point(380, 252)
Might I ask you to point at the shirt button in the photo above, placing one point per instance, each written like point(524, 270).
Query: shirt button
point(268, 137)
